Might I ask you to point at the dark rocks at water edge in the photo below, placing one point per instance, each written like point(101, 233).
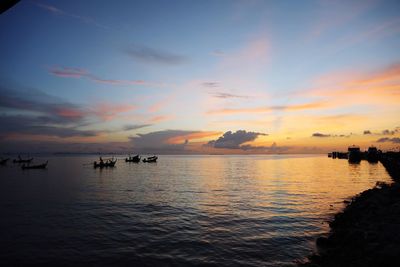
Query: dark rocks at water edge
point(366, 233)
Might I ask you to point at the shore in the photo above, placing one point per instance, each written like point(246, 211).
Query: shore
point(367, 231)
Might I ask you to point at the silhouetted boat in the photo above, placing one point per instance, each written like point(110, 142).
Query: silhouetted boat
point(21, 160)
point(150, 159)
point(39, 166)
point(133, 159)
point(3, 161)
point(372, 154)
point(354, 154)
point(108, 164)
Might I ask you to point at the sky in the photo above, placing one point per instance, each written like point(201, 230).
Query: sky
point(208, 77)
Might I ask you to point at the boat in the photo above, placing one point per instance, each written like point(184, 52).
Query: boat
point(354, 154)
point(372, 154)
point(150, 159)
point(133, 159)
point(3, 161)
point(110, 163)
point(342, 155)
point(21, 160)
point(39, 166)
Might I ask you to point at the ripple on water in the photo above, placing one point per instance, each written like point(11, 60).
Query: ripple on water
point(182, 211)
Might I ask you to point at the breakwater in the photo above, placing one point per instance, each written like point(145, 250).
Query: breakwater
point(367, 231)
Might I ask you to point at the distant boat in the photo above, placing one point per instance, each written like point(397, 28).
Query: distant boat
point(21, 160)
point(372, 154)
point(150, 159)
point(39, 166)
point(133, 159)
point(108, 164)
point(354, 154)
point(3, 161)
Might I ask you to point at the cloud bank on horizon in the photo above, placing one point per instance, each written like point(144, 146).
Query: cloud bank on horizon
point(205, 77)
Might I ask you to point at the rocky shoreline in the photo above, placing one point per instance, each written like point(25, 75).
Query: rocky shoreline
point(367, 231)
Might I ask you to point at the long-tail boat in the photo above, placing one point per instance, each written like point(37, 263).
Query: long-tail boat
point(133, 159)
point(150, 159)
point(39, 166)
point(110, 163)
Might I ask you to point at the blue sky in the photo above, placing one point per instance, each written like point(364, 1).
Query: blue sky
point(191, 71)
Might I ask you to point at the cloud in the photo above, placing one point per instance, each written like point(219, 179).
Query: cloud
point(77, 73)
point(228, 95)
point(210, 84)
point(59, 12)
point(367, 132)
point(130, 127)
point(29, 125)
point(295, 107)
point(390, 132)
point(234, 140)
point(69, 72)
point(320, 135)
point(274, 148)
point(160, 118)
point(167, 141)
point(108, 111)
point(32, 112)
point(394, 140)
point(354, 88)
point(151, 55)
point(330, 135)
point(52, 109)
point(218, 53)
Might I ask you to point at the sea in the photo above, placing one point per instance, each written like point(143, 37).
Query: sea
point(196, 210)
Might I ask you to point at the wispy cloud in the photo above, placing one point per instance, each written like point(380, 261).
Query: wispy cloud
point(160, 118)
point(130, 127)
point(35, 113)
point(167, 141)
point(59, 12)
point(218, 53)
point(394, 140)
point(152, 55)
point(108, 111)
point(77, 73)
point(295, 107)
point(210, 84)
point(328, 135)
point(352, 88)
point(320, 135)
point(227, 95)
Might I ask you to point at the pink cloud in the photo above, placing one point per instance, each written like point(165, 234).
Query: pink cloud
point(77, 73)
point(70, 113)
point(107, 111)
point(161, 118)
point(66, 72)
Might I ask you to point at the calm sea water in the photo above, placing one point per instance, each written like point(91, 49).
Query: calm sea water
point(181, 211)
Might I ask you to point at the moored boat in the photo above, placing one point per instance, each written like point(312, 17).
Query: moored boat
point(21, 160)
point(150, 159)
point(354, 154)
point(372, 154)
point(39, 166)
point(4, 161)
point(110, 163)
point(135, 159)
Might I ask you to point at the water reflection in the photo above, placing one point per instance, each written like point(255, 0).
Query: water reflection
point(216, 210)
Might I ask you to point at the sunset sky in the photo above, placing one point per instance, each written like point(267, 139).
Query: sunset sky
point(199, 76)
